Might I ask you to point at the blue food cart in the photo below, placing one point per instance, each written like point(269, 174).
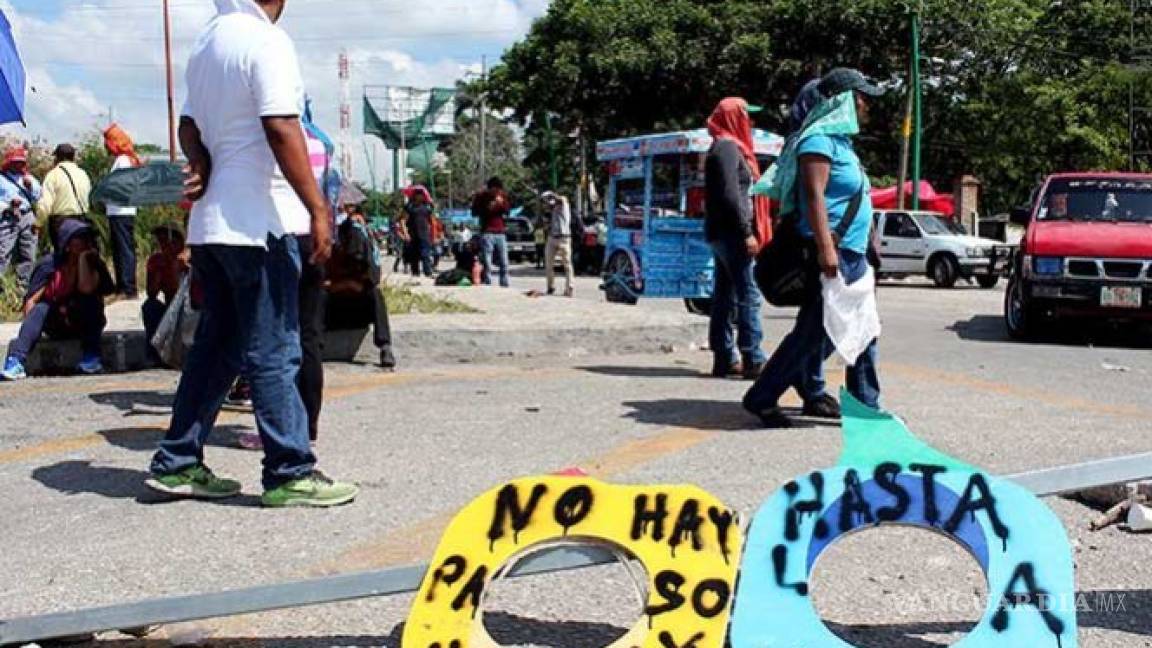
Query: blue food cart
point(655, 216)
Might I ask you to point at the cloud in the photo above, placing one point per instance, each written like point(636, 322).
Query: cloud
point(101, 56)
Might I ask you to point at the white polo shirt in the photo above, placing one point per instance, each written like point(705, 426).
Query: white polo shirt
point(243, 67)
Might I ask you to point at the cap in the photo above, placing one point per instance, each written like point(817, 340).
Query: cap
point(841, 80)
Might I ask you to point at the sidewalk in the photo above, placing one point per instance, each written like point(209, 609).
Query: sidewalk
point(508, 324)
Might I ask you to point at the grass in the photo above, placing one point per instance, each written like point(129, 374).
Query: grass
point(11, 298)
point(405, 301)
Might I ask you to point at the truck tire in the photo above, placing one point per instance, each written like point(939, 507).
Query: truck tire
point(1019, 315)
point(699, 306)
point(620, 270)
point(944, 270)
point(988, 282)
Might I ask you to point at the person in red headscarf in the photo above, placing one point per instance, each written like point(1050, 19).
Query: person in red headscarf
point(736, 227)
point(19, 194)
point(122, 218)
point(417, 220)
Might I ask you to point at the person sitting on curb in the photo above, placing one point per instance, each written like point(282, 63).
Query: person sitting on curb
point(164, 271)
point(354, 298)
point(65, 299)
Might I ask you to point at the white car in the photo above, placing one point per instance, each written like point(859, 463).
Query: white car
point(926, 243)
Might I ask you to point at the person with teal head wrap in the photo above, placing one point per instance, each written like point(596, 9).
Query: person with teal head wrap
point(815, 181)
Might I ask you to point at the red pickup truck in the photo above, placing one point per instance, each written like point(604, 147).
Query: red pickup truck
point(1087, 252)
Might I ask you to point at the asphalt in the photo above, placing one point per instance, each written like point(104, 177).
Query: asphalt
point(81, 530)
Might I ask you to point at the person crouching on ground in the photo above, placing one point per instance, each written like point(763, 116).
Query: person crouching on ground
point(735, 226)
point(559, 216)
point(65, 300)
point(831, 183)
point(164, 271)
point(354, 299)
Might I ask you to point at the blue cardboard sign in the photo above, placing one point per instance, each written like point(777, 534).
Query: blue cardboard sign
point(888, 476)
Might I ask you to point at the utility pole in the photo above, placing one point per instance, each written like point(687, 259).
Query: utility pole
point(345, 154)
point(171, 84)
point(580, 186)
point(905, 137)
point(553, 174)
point(484, 119)
point(917, 111)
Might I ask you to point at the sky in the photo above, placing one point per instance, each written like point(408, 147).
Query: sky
point(88, 60)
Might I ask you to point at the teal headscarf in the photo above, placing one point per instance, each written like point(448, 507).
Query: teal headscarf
point(835, 116)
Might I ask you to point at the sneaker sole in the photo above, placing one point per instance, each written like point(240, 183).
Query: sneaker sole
point(311, 503)
point(186, 492)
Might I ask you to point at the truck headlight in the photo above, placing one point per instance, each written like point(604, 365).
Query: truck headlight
point(977, 253)
point(1048, 266)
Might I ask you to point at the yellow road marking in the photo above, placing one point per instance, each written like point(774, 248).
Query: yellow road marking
point(338, 389)
point(415, 542)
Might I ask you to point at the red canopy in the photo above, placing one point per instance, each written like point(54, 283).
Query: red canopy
point(929, 199)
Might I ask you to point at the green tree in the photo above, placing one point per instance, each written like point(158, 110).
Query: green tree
point(503, 154)
point(1014, 89)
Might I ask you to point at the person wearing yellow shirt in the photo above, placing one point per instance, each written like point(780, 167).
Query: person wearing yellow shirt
point(67, 188)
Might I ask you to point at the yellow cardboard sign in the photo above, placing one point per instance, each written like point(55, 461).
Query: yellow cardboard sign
point(688, 541)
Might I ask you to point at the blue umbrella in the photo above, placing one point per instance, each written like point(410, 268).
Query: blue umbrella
point(11, 76)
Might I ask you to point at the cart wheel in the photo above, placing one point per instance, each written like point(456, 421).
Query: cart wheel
point(620, 280)
point(699, 306)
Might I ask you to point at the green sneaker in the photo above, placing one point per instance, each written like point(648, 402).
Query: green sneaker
point(196, 482)
point(315, 490)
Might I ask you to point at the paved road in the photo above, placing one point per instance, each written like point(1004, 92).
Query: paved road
point(80, 529)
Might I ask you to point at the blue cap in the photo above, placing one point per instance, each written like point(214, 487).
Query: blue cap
point(841, 80)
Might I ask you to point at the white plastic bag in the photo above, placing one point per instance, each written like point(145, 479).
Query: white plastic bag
point(177, 330)
point(850, 314)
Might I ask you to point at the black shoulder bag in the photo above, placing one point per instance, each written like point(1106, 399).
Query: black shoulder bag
point(787, 269)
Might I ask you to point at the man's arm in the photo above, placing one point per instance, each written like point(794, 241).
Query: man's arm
point(286, 138)
point(199, 167)
point(32, 300)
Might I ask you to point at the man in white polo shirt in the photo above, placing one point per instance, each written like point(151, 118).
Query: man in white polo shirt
point(250, 176)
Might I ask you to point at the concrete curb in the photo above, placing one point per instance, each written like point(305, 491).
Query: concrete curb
point(126, 351)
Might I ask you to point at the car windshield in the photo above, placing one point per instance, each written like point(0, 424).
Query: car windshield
point(1098, 199)
point(518, 226)
point(933, 225)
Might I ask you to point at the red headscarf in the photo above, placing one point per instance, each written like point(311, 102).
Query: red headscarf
point(118, 143)
point(731, 121)
point(421, 190)
point(14, 155)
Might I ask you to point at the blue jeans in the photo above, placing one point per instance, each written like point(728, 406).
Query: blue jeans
point(152, 312)
point(735, 293)
point(123, 233)
point(420, 257)
point(81, 318)
point(249, 322)
point(808, 343)
point(494, 249)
